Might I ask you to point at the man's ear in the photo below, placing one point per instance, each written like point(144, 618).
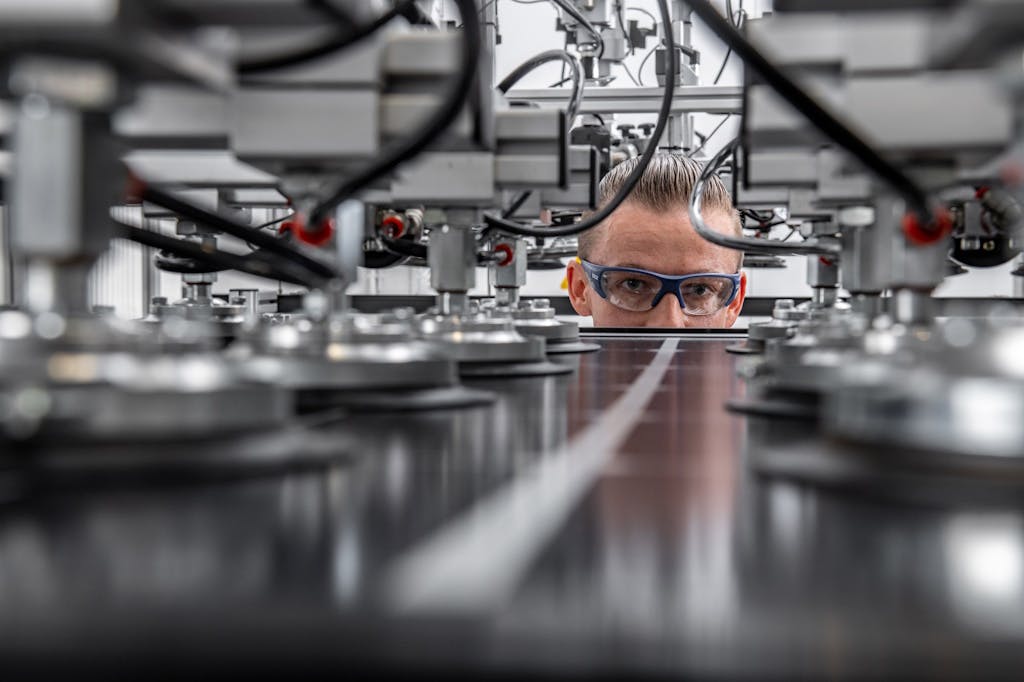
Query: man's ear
point(733, 311)
point(578, 294)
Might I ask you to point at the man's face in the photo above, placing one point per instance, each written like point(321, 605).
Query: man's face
point(662, 242)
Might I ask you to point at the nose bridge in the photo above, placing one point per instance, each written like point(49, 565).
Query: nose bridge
point(668, 312)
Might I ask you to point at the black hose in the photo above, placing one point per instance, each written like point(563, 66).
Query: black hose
point(334, 11)
point(284, 272)
point(576, 74)
point(405, 247)
point(454, 98)
point(704, 142)
point(511, 227)
point(228, 225)
point(168, 262)
point(696, 211)
point(738, 23)
point(346, 37)
point(375, 260)
point(821, 118)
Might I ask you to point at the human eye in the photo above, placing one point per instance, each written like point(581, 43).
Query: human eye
point(630, 290)
point(633, 285)
point(703, 288)
point(705, 295)
point(699, 289)
point(630, 282)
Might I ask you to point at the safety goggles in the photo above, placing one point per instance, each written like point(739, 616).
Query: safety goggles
point(636, 290)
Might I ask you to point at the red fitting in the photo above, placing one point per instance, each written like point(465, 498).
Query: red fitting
point(392, 226)
point(506, 251)
point(317, 237)
point(916, 233)
point(980, 192)
point(297, 228)
point(827, 262)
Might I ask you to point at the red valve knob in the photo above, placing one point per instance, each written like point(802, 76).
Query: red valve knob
point(392, 226)
point(507, 255)
point(916, 233)
point(297, 228)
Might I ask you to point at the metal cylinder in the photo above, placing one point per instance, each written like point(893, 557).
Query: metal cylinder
point(865, 248)
point(506, 296)
point(913, 307)
point(250, 298)
point(452, 259)
point(449, 303)
point(823, 297)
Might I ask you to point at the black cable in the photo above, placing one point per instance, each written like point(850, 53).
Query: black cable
point(460, 88)
point(643, 62)
point(822, 119)
point(405, 247)
point(620, 17)
point(343, 39)
point(747, 244)
point(339, 14)
point(269, 223)
point(376, 260)
point(629, 73)
point(168, 262)
point(483, 7)
point(285, 272)
point(643, 11)
point(228, 225)
point(721, 69)
point(516, 204)
point(576, 75)
point(498, 223)
point(561, 73)
point(572, 11)
point(275, 221)
point(707, 137)
point(738, 23)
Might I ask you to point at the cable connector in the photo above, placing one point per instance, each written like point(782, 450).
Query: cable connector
point(297, 228)
point(919, 234)
point(507, 255)
point(392, 226)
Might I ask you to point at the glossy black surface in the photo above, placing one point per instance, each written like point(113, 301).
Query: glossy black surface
point(678, 558)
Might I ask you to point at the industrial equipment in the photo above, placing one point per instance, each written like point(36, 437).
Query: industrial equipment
point(288, 374)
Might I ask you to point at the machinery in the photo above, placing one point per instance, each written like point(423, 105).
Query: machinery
point(279, 162)
point(220, 127)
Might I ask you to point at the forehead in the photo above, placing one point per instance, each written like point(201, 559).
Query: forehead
point(662, 241)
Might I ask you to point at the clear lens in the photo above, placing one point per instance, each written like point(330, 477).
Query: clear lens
point(636, 291)
point(705, 295)
point(630, 290)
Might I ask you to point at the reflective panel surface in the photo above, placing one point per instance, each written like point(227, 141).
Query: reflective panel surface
point(611, 521)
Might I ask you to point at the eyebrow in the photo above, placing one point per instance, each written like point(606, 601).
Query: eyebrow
point(640, 267)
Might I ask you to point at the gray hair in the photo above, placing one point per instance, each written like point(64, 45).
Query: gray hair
point(666, 183)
